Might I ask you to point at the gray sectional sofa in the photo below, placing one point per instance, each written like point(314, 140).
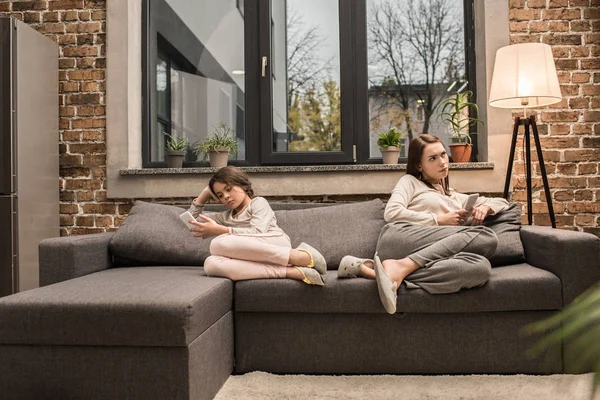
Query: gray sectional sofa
point(131, 314)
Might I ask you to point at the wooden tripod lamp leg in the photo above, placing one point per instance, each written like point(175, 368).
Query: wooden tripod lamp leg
point(538, 147)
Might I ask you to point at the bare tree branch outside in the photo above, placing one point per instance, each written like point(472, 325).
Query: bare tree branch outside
point(313, 97)
point(416, 49)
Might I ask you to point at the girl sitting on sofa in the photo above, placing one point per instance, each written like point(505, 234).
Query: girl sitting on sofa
point(440, 253)
point(249, 244)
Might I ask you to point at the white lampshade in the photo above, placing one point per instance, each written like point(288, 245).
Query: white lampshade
point(524, 76)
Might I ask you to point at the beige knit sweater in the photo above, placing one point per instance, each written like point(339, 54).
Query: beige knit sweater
point(257, 219)
point(414, 202)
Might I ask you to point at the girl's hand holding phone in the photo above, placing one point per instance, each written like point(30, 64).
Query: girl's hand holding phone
point(207, 228)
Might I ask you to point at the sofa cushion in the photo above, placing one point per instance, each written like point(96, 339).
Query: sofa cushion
point(512, 288)
point(507, 225)
point(337, 230)
point(154, 306)
point(153, 234)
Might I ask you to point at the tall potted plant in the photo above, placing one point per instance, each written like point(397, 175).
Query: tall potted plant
point(218, 146)
point(460, 114)
point(175, 149)
point(390, 143)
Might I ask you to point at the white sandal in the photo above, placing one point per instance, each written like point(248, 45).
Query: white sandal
point(317, 261)
point(311, 276)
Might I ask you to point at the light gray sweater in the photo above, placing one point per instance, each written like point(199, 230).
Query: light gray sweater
point(257, 219)
point(414, 202)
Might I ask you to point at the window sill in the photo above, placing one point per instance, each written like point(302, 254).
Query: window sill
point(298, 168)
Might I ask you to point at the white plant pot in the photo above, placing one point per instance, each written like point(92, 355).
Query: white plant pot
point(219, 157)
point(390, 154)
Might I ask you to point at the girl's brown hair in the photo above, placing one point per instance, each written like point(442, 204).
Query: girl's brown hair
point(232, 176)
point(415, 152)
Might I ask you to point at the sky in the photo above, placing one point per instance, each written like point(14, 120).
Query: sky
point(324, 14)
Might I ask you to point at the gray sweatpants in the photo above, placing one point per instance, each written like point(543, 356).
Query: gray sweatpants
point(451, 257)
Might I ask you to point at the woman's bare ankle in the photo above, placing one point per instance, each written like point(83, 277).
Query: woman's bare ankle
point(367, 270)
point(397, 270)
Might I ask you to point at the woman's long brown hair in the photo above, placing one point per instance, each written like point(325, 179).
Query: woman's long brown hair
point(415, 152)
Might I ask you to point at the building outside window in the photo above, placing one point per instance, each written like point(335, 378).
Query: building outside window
point(300, 81)
point(420, 110)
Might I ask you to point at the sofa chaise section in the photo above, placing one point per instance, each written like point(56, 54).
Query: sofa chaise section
point(134, 333)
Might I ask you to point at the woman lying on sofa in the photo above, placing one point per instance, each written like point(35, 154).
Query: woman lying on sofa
point(444, 247)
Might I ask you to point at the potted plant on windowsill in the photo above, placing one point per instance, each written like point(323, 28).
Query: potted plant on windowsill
point(218, 145)
point(390, 143)
point(175, 149)
point(460, 114)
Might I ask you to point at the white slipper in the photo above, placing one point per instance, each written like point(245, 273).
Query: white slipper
point(387, 289)
point(350, 266)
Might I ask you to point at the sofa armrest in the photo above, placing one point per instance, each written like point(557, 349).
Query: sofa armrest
point(69, 257)
point(572, 256)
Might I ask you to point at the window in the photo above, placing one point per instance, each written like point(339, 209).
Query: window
point(300, 81)
point(415, 51)
point(194, 75)
point(305, 106)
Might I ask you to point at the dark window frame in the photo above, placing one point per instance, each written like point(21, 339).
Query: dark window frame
point(345, 155)
point(257, 42)
point(161, 27)
point(470, 65)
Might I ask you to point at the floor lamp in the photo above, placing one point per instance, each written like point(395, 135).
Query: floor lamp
point(524, 77)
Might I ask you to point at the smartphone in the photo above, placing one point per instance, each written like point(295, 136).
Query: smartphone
point(471, 201)
point(187, 216)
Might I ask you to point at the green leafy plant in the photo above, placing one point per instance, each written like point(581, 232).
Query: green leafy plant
point(390, 138)
point(459, 113)
point(176, 144)
point(579, 324)
point(221, 136)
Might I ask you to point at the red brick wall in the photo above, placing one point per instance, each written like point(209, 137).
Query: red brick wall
point(570, 129)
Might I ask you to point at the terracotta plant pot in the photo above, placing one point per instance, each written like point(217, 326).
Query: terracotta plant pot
point(174, 159)
point(390, 154)
point(461, 152)
point(218, 157)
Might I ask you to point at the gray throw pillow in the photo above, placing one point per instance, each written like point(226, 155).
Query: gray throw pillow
point(153, 234)
point(337, 230)
point(507, 225)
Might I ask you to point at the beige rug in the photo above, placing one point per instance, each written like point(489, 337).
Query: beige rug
point(262, 386)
